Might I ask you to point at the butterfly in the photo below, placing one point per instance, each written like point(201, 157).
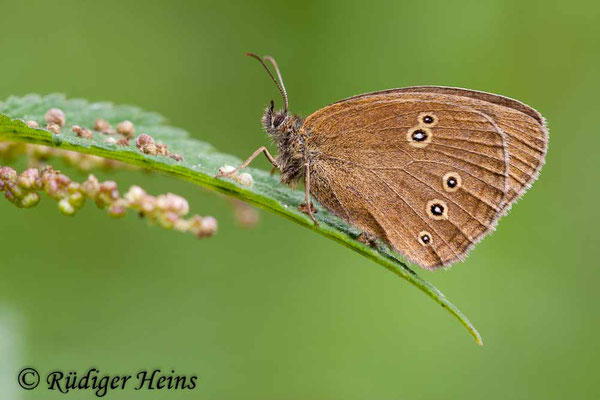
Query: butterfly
point(427, 169)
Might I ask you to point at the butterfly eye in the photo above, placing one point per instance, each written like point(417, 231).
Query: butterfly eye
point(425, 238)
point(428, 119)
point(451, 182)
point(419, 136)
point(437, 209)
point(278, 120)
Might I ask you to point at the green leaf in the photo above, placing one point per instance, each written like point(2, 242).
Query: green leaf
point(200, 163)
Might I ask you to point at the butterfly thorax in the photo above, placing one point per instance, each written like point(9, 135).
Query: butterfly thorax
point(284, 130)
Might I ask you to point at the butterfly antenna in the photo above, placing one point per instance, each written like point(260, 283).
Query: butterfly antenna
point(272, 61)
point(279, 84)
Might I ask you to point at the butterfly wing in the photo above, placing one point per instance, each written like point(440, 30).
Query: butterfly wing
point(427, 172)
point(525, 127)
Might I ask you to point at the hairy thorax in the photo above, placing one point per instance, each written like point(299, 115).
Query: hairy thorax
point(284, 130)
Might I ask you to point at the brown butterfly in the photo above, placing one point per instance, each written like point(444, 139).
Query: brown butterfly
point(427, 169)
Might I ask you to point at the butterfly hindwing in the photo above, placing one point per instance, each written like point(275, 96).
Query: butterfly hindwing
point(431, 177)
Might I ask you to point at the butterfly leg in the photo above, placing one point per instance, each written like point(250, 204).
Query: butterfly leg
point(307, 207)
point(262, 149)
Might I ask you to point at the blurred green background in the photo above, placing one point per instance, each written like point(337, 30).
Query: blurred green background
point(278, 312)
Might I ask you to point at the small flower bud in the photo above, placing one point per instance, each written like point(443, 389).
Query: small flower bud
point(208, 227)
point(135, 195)
point(8, 174)
point(162, 202)
point(108, 191)
point(101, 125)
point(147, 205)
point(54, 183)
point(55, 116)
point(245, 179)
point(65, 207)
point(91, 187)
point(110, 140)
point(77, 200)
point(29, 200)
point(123, 142)
point(82, 132)
point(126, 128)
point(108, 186)
point(176, 157)
point(51, 187)
point(15, 190)
point(167, 219)
point(117, 209)
point(29, 178)
point(32, 124)
point(73, 187)
point(54, 128)
point(179, 205)
point(172, 202)
point(143, 139)
point(63, 180)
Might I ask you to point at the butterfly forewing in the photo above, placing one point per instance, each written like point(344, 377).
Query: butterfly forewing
point(430, 176)
point(524, 126)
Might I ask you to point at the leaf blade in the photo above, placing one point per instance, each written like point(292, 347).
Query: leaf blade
point(200, 162)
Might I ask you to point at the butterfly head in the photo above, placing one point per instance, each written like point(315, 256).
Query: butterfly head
point(277, 122)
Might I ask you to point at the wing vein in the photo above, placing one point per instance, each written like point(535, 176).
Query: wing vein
point(415, 212)
point(452, 201)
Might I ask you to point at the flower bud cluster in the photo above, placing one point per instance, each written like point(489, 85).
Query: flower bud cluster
point(56, 120)
point(167, 210)
point(125, 131)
